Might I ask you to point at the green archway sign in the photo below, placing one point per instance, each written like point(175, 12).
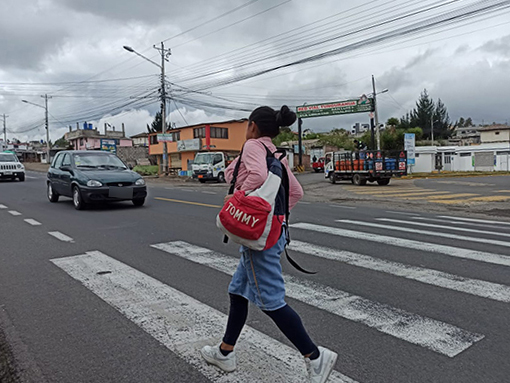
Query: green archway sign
point(361, 105)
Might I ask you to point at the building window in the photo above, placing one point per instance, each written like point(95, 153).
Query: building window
point(219, 132)
point(199, 132)
point(465, 154)
point(81, 141)
point(416, 155)
point(176, 136)
point(497, 133)
point(154, 139)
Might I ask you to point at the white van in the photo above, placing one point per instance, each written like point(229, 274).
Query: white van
point(10, 167)
point(210, 166)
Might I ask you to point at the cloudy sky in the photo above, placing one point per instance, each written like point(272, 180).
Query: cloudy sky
point(228, 56)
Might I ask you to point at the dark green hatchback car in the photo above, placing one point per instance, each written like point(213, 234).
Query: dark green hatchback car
point(93, 176)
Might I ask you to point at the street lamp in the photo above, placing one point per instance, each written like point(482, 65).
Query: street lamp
point(432, 122)
point(164, 57)
point(378, 132)
point(45, 107)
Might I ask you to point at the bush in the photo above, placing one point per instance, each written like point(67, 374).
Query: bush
point(146, 170)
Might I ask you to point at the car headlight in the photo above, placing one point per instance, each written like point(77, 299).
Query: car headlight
point(94, 183)
point(140, 182)
point(20, 166)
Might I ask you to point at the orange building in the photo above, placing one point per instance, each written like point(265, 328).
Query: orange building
point(227, 136)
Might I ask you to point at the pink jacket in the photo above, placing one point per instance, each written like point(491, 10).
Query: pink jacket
point(253, 169)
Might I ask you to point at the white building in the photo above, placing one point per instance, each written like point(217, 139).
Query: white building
point(484, 157)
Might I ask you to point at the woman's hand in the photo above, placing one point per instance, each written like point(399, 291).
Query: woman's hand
point(227, 197)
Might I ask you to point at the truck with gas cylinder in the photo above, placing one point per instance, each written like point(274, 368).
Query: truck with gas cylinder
point(210, 166)
point(365, 166)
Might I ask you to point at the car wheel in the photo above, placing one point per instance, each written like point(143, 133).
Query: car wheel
point(21, 177)
point(138, 201)
point(78, 199)
point(332, 178)
point(221, 178)
point(384, 182)
point(52, 195)
point(358, 180)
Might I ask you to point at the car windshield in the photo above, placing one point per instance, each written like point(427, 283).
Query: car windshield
point(98, 161)
point(8, 157)
point(203, 158)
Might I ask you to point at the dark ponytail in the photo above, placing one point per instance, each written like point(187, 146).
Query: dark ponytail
point(269, 120)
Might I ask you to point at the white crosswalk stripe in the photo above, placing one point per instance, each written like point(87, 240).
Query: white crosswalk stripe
point(480, 232)
point(452, 251)
point(429, 233)
point(476, 287)
point(183, 324)
point(442, 220)
point(475, 220)
point(3, 206)
point(432, 334)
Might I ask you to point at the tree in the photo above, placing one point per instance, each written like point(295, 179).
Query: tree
point(461, 122)
point(441, 121)
point(469, 122)
point(423, 113)
point(392, 121)
point(156, 124)
point(62, 143)
point(285, 135)
point(338, 138)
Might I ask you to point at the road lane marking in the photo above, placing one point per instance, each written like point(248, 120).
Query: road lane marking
point(484, 225)
point(444, 227)
point(188, 202)
point(33, 178)
point(303, 203)
point(475, 220)
point(457, 252)
point(494, 198)
point(477, 287)
point(432, 334)
point(3, 207)
point(60, 236)
point(400, 212)
point(14, 212)
point(209, 192)
point(434, 198)
point(343, 207)
point(388, 192)
point(184, 324)
point(426, 232)
point(32, 222)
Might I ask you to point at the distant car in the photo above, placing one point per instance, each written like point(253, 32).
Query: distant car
point(318, 166)
point(93, 176)
point(11, 167)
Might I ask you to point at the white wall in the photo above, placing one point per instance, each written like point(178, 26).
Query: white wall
point(424, 163)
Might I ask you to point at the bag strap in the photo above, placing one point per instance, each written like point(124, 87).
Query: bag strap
point(286, 188)
point(233, 184)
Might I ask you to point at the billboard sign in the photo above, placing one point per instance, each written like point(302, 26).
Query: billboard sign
point(109, 145)
point(166, 137)
point(188, 145)
point(361, 105)
point(409, 146)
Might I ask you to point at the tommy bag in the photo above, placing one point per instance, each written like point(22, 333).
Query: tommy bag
point(255, 219)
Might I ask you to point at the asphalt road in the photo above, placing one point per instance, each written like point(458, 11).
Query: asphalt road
point(402, 296)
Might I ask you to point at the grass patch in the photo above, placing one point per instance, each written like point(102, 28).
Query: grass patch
point(146, 170)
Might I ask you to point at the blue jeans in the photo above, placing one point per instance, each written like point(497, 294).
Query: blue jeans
point(258, 277)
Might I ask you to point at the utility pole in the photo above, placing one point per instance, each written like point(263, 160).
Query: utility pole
point(377, 131)
point(5, 129)
point(164, 57)
point(47, 124)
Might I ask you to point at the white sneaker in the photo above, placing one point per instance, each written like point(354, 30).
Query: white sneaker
point(213, 355)
point(320, 368)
